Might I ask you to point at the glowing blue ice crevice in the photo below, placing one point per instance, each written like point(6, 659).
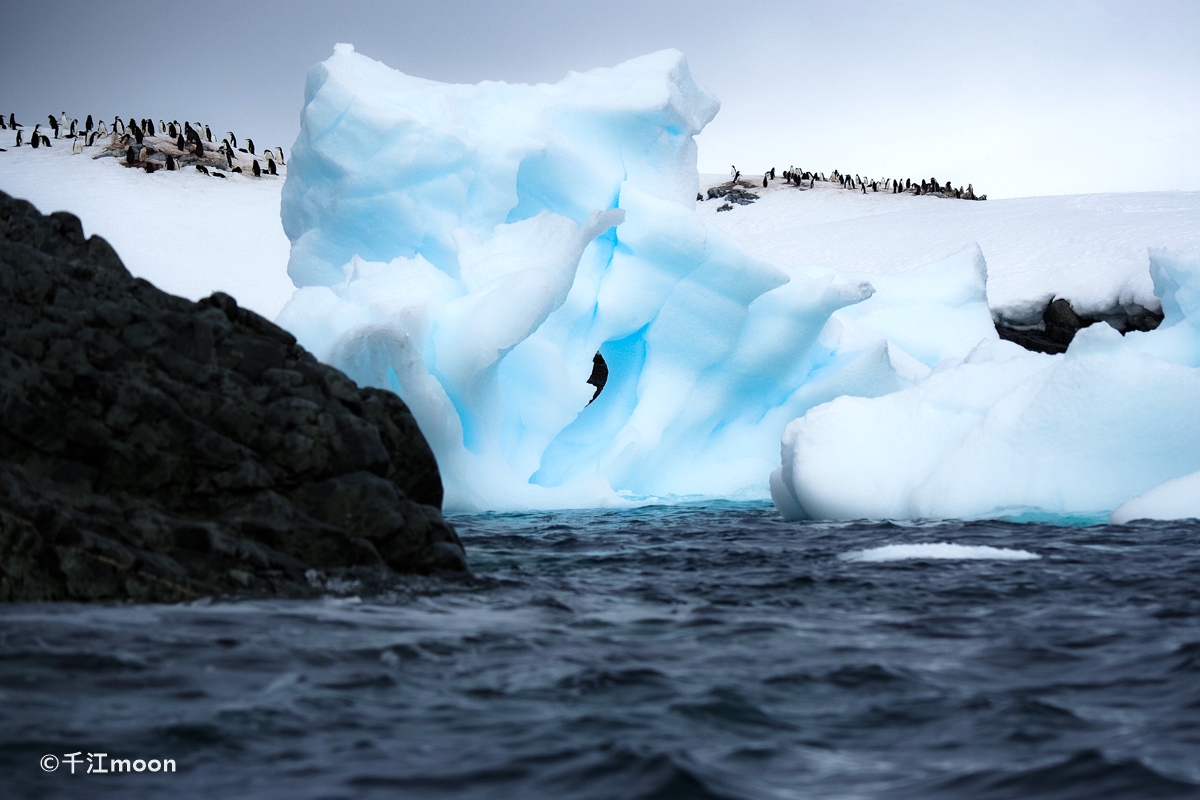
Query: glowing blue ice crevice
point(474, 247)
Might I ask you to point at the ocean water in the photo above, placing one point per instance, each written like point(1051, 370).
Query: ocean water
point(671, 652)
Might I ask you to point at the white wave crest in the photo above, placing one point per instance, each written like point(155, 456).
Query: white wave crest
point(938, 550)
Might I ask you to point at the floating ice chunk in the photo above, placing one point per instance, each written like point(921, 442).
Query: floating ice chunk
point(1178, 498)
point(938, 551)
point(1008, 432)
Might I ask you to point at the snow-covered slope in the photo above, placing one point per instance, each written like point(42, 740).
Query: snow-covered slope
point(1089, 249)
point(186, 233)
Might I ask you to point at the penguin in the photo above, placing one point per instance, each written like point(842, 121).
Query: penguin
point(279, 152)
point(250, 145)
point(149, 127)
point(77, 147)
point(207, 134)
point(162, 127)
point(699, 197)
point(88, 124)
point(102, 129)
point(171, 130)
point(170, 163)
point(74, 128)
point(864, 188)
point(62, 120)
point(18, 144)
point(256, 169)
point(220, 175)
point(53, 124)
point(271, 167)
point(269, 154)
point(3, 124)
point(12, 122)
point(180, 144)
point(150, 167)
point(764, 181)
point(229, 160)
point(130, 156)
point(142, 154)
point(37, 132)
point(232, 138)
point(201, 169)
point(238, 170)
point(138, 133)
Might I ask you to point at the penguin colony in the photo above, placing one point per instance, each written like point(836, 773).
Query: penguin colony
point(803, 179)
point(140, 144)
point(735, 190)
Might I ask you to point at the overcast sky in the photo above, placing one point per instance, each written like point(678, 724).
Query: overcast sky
point(1019, 98)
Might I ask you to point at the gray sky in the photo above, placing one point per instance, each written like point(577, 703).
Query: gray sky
point(1020, 98)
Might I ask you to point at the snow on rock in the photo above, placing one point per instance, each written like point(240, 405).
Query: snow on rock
point(473, 248)
point(187, 233)
point(1089, 249)
point(1178, 498)
point(938, 551)
point(1005, 432)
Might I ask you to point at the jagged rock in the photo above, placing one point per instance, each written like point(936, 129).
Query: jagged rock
point(152, 448)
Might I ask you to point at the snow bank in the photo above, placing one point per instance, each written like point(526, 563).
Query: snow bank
point(938, 551)
point(473, 247)
point(186, 233)
point(1178, 498)
point(1004, 432)
point(1090, 249)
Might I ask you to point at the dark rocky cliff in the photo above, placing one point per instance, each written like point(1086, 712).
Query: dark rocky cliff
point(152, 448)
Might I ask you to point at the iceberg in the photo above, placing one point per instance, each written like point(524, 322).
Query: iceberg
point(473, 248)
point(1007, 433)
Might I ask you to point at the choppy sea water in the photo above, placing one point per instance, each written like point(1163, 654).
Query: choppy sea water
point(670, 652)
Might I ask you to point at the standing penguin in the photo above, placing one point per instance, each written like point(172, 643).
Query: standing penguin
point(207, 134)
point(77, 147)
point(130, 156)
point(256, 169)
point(232, 139)
point(102, 129)
point(12, 121)
point(74, 128)
point(170, 163)
point(88, 125)
point(279, 152)
point(271, 167)
point(764, 181)
point(250, 145)
point(53, 124)
point(18, 144)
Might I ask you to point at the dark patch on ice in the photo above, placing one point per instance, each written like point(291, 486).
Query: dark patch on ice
point(599, 376)
point(1060, 323)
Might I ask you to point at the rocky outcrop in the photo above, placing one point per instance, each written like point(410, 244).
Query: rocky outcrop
point(1060, 323)
point(152, 448)
point(732, 193)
